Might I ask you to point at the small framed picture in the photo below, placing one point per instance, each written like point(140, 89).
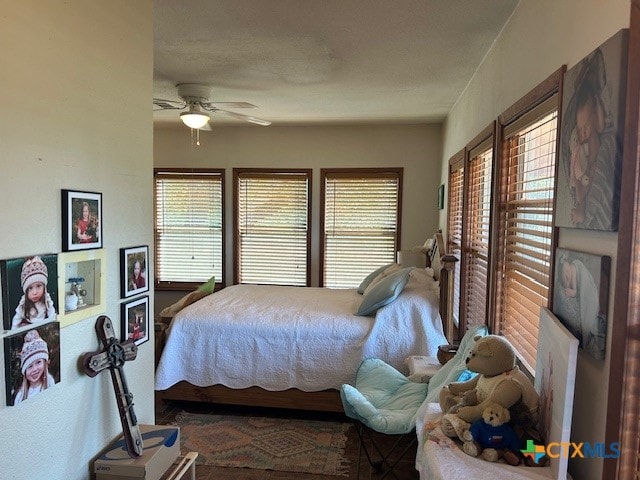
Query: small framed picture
point(133, 270)
point(32, 362)
point(441, 197)
point(81, 220)
point(581, 297)
point(135, 320)
point(29, 291)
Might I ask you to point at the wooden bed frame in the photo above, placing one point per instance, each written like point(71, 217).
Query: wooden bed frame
point(325, 400)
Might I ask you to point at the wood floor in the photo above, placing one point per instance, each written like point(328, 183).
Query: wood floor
point(405, 470)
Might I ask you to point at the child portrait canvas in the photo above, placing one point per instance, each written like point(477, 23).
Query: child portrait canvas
point(135, 320)
point(32, 362)
point(29, 290)
point(81, 220)
point(133, 270)
point(591, 134)
point(581, 297)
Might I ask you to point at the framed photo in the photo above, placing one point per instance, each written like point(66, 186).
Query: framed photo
point(135, 320)
point(81, 220)
point(32, 362)
point(581, 297)
point(591, 134)
point(441, 197)
point(29, 291)
point(133, 270)
point(556, 360)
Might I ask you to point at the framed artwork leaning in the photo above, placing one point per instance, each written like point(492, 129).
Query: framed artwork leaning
point(591, 134)
point(29, 290)
point(135, 320)
point(581, 297)
point(133, 270)
point(32, 362)
point(81, 220)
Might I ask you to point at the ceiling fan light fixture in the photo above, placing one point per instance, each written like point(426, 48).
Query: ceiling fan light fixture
point(195, 117)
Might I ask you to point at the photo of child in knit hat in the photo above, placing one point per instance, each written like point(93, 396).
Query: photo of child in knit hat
point(29, 290)
point(33, 362)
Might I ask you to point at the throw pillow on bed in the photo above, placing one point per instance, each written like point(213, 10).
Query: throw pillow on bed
point(191, 297)
point(369, 278)
point(391, 269)
point(384, 292)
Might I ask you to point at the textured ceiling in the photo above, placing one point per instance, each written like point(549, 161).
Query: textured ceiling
point(325, 61)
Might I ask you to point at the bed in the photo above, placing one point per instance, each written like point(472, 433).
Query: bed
point(293, 347)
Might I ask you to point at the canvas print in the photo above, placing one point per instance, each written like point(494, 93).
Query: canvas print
point(32, 362)
point(591, 134)
point(581, 297)
point(29, 290)
point(81, 220)
point(133, 270)
point(556, 361)
point(135, 320)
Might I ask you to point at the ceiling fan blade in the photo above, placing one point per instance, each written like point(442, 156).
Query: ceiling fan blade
point(162, 104)
point(215, 105)
point(246, 118)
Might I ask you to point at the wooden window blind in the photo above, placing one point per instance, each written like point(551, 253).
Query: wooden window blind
point(477, 223)
point(526, 225)
point(188, 227)
point(454, 229)
point(272, 227)
point(360, 215)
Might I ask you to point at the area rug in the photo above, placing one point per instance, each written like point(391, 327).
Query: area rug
point(288, 445)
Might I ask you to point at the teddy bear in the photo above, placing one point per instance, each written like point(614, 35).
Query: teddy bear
point(491, 437)
point(499, 380)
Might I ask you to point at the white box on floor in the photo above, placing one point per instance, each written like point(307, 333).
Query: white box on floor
point(161, 449)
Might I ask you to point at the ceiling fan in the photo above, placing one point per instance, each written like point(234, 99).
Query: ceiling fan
point(195, 97)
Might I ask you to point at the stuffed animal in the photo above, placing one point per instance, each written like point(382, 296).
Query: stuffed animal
point(499, 380)
point(492, 438)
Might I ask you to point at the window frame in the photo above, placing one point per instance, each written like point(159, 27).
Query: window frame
point(269, 172)
point(395, 172)
point(189, 173)
point(551, 86)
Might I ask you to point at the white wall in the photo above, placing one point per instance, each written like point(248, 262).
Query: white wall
point(75, 95)
point(540, 36)
point(417, 148)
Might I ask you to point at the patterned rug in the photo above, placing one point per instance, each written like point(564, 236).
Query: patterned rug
point(288, 445)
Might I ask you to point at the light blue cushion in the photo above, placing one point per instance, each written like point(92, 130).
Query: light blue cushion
point(455, 370)
point(384, 292)
point(383, 398)
point(369, 278)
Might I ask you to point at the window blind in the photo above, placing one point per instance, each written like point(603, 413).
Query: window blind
point(454, 229)
point(188, 227)
point(360, 216)
point(477, 224)
point(526, 216)
point(273, 227)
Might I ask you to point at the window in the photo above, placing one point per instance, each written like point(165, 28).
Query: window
point(455, 209)
point(271, 235)
point(525, 225)
point(360, 223)
point(476, 246)
point(188, 227)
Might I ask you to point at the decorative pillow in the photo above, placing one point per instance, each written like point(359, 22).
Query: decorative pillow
point(391, 269)
point(369, 278)
point(455, 370)
point(191, 297)
point(209, 286)
point(385, 292)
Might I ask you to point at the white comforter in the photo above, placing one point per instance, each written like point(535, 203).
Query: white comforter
point(279, 337)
